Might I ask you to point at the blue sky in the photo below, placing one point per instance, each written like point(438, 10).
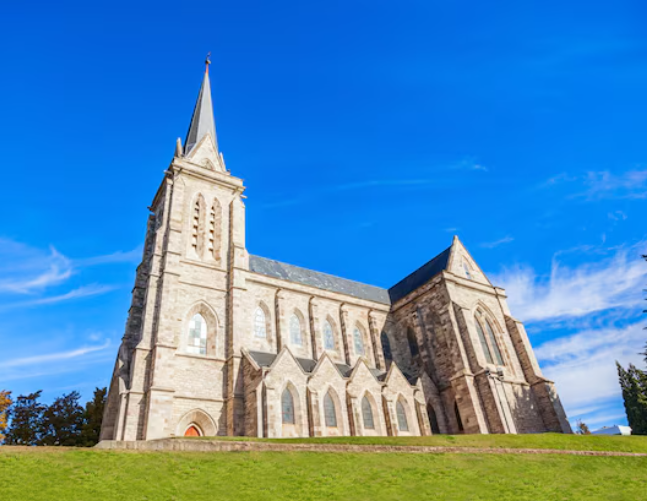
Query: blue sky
point(367, 133)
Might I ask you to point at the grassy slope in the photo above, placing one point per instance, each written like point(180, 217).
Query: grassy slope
point(543, 441)
point(102, 475)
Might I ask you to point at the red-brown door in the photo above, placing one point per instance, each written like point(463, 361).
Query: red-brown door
point(192, 431)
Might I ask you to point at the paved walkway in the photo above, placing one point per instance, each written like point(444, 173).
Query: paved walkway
point(197, 445)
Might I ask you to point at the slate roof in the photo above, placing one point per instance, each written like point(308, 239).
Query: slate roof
point(283, 271)
point(202, 121)
point(263, 359)
point(420, 277)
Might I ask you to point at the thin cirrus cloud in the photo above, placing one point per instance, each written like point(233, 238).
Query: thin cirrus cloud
point(30, 271)
point(497, 243)
point(603, 185)
point(53, 357)
point(575, 291)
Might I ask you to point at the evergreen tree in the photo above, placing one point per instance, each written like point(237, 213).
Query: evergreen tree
point(92, 418)
point(26, 426)
point(5, 404)
point(633, 382)
point(63, 421)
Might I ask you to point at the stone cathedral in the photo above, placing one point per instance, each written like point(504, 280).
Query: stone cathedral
point(222, 342)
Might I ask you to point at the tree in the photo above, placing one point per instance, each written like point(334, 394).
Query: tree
point(5, 404)
point(582, 428)
point(26, 426)
point(63, 421)
point(93, 417)
point(633, 382)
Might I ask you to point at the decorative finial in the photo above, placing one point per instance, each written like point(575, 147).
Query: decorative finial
point(207, 61)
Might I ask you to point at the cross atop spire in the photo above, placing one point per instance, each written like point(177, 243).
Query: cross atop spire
point(202, 122)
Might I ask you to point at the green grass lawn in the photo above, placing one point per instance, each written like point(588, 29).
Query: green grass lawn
point(96, 475)
point(539, 441)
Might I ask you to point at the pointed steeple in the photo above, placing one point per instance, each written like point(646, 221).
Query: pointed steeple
point(202, 122)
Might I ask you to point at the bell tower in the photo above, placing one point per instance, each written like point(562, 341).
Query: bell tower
point(178, 353)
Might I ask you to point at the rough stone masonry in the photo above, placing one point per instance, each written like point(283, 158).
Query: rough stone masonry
point(221, 342)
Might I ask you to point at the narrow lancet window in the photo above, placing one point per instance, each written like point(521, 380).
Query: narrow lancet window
point(359, 342)
point(295, 331)
point(367, 414)
point(329, 338)
point(260, 329)
point(330, 413)
point(403, 424)
point(287, 407)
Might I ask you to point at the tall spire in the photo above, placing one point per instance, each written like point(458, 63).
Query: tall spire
point(202, 122)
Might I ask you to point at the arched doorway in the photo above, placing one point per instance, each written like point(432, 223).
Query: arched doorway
point(433, 420)
point(192, 431)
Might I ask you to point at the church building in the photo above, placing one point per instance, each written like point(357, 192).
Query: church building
point(219, 341)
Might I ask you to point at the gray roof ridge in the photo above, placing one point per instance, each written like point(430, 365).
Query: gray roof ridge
point(330, 277)
point(420, 276)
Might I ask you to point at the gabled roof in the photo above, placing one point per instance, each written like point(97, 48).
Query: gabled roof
point(296, 274)
point(420, 277)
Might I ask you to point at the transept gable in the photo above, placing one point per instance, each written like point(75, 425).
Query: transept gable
point(326, 369)
point(462, 264)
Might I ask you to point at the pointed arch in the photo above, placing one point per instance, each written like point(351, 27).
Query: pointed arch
point(197, 225)
point(386, 347)
point(483, 321)
point(368, 411)
point(200, 420)
point(359, 343)
point(328, 333)
point(200, 330)
point(288, 413)
point(332, 409)
point(261, 321)
point(214, 247)
point(296, 329)
point(413, 343)
point(401, 411)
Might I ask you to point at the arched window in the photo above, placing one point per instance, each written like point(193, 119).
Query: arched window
point(295, 331)
point(367, 414)
point(433, 420)
point(197, 342)
point(287, 407)
point(495, 347)
point(413, 344)
point(328, 336)
point(358, 341)
point(330, 413)
point(403, 424)
point(486, 348)
point(386, 346)
point(260, 326)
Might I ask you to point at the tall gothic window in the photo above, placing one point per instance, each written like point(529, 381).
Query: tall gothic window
point(260, 326)
point(413, 344)
point(484, 345)
point(386, 346)
point(495, 346)
point(196, 234)
point(197, 342)
point(403, 424)
point(215, 220)
point(433, 420)
point(328, 336)
point(358, 341)
point(330, 413)
point(367, 414)
point(287, 407)
point(295, 331)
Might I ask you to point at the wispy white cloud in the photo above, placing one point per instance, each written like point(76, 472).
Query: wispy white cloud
point(617, 215)
point(604, 185)
point(131, 256)
point(80, 292)
point(576, 291)
point(583, 365)
point(491, 245)
point(27, 270)
point(51, 358)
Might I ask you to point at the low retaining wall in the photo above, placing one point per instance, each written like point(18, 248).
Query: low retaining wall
point(195, 445)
